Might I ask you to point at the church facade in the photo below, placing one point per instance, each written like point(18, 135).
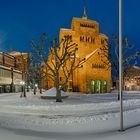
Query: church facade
point(93, 76)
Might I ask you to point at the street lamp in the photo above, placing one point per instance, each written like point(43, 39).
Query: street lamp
point(23, 89)
point(35, 88)
point(120, 66)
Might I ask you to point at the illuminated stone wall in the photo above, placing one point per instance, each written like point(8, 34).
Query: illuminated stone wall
point(93, 76)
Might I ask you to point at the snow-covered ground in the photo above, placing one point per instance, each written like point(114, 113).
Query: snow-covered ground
point(80, 116)
point(51, 94)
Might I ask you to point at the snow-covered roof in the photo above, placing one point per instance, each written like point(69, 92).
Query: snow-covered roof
point(14, 53)
point(88, 56)
point(137, 77)
point(84, 19)
point(136, 67)
point(17, 71)
point(133, 71)
point(65, 29)
point(4, 67)
point(9, 68)
point(103, 35)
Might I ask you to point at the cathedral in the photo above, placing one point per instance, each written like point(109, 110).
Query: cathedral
point(94, 76)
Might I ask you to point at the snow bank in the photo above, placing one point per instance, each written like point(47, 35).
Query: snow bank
point(51, 94)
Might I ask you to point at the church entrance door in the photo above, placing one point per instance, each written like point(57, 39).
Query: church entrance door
point(99, 85)
point(92, 86)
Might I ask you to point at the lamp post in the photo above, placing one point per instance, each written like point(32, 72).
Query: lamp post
point(23, 93)
point(120, 66)
point(35, 88)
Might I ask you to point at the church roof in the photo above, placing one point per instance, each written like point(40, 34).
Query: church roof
point(14, 53)
point(103, 35)
point(136, 67)
point(133, 70)
point(66, 29)
point(75, 18)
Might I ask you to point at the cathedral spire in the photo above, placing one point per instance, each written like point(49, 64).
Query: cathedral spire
point(84, 14)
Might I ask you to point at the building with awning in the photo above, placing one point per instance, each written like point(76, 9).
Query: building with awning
point(11, 77)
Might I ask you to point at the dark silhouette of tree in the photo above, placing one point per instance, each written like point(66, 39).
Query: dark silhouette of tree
point(36, 72)
point(110, 50)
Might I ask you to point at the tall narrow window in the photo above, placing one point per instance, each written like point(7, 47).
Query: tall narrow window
point(104, 86)
point(82, 38)
point(102, 41)
point(92, 86)
point(99, 85)
point(87, 39)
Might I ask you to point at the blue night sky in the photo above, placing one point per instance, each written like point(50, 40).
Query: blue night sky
point(22, 20)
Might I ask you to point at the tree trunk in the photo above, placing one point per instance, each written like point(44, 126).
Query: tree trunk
point(58, 91)
point(24, 92)
point(118, 96)
point(58, 95)
point(34, 90)
point(40, 87)
point(40, 90)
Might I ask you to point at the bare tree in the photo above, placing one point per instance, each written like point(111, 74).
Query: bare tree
point(35, 72)
point(110, 50)
point(22, 64)
point(61, 60)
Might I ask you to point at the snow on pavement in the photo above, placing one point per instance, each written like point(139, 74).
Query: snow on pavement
point(78, 113)
point(20, 134)
point(103, 130)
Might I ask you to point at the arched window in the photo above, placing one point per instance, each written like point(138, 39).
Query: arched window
point(98, 86)
point(87, 39)
point(92, 86)
point(81, 38)
point(92, 40)
point(104, 86)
